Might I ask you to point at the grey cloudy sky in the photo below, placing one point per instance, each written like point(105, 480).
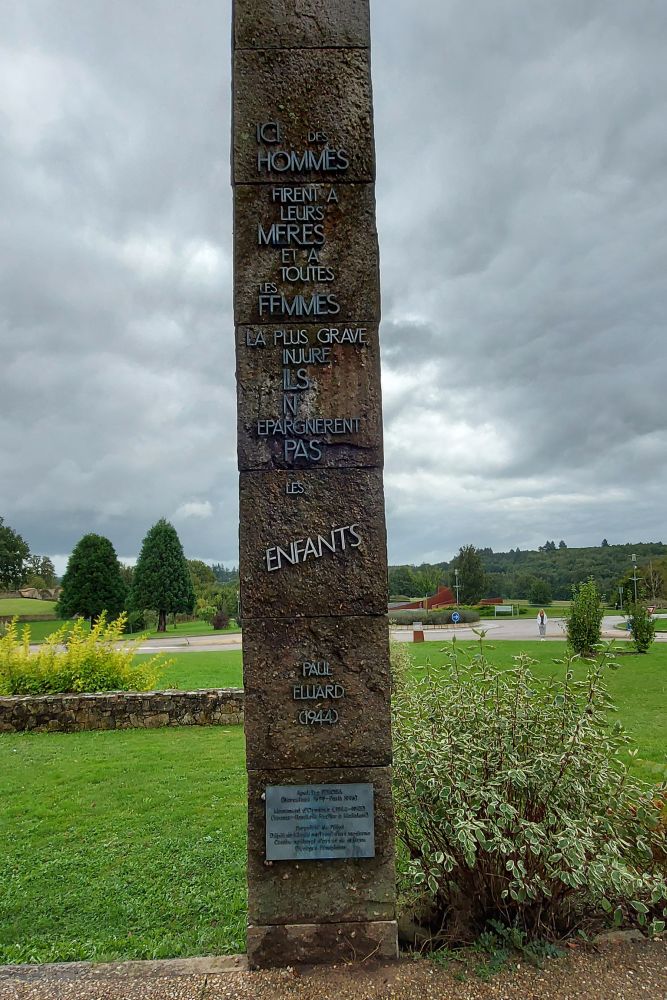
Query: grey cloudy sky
point(522, 210)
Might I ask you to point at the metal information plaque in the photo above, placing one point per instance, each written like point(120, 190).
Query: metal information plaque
point(316, 822)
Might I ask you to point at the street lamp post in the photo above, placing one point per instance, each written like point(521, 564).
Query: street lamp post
point(634, 573)
point(620, 594)
point(456, 586)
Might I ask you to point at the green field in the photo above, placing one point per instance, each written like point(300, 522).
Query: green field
point(192, 628)
point(638, 687)
point(131, 844)
point(39, 631)
point(190, 671)
point(26, 606)
point(123, 844)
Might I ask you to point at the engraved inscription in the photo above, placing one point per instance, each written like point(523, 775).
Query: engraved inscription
point(293, 236)
point(299, 550)
point(316, 822)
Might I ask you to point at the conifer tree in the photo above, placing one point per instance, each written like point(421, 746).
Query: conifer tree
point(92, 582)
point(161, 580)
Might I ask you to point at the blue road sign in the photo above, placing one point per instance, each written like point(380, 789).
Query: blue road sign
point(456, 617)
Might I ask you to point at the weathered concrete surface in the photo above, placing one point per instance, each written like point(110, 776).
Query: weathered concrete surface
point(337, 222)
point(352, 580)
point(318, 944)
point(328, 90)
point(345, 384)
point(149, 969)
point(301, 24)
point(356, 653)
point(284, 892)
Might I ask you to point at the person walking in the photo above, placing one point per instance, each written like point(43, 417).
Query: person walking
point(542, 623)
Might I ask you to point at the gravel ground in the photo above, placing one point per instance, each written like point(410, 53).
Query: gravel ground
point(622, 970)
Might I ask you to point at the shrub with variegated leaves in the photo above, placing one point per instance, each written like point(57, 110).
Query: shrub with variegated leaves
point(514, 803)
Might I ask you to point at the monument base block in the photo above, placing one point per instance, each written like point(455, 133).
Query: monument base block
point(318, 944)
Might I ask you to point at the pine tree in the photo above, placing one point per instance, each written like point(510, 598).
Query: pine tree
point(161, 580)
point(92, 582)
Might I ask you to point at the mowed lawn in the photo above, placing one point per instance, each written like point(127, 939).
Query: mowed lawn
point(189, 671)
point(25, 606)
point(132, 844)
point(122, 844)
point(10, 606)
point(39, 631)
point(638, 687)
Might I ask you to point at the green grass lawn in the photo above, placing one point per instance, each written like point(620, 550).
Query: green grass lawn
point(638, 688)
point(190, 671)
point(122, 844)
point(131, 844)
point(39, 631)
point(26, 606)
point(192, 628)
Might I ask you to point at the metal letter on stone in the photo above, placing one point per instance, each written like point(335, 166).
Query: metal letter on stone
point(313, 563)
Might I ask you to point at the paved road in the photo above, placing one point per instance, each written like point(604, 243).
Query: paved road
point(496, 629)
point(192, 644)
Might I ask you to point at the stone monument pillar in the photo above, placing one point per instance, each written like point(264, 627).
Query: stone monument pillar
point(313, 562)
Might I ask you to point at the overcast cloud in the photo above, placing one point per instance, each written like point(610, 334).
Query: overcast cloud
point(522, 210)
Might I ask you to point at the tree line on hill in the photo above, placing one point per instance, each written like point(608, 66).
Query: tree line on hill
point(547, 573)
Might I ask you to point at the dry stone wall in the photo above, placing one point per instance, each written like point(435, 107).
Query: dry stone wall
point(75, 713)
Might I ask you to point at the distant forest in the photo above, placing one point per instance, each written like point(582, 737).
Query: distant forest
point(223, 575)
point(512, 574)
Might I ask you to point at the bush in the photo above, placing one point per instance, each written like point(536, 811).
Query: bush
point(86, 661)
point(432, 617)
point(642, 626)
point(220, 619)
point(513, 804)
point(540, 593)
point(204, 610)
point(583, 619)
point(135, 621)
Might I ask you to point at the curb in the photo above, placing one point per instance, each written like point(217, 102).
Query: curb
point(213, 965)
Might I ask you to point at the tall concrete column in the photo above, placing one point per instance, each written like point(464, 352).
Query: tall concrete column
point(313, 562)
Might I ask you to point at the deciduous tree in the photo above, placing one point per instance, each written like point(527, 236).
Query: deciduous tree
point(540, 592)
point(14, 554)
point(41, 572)
point(472, 579)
